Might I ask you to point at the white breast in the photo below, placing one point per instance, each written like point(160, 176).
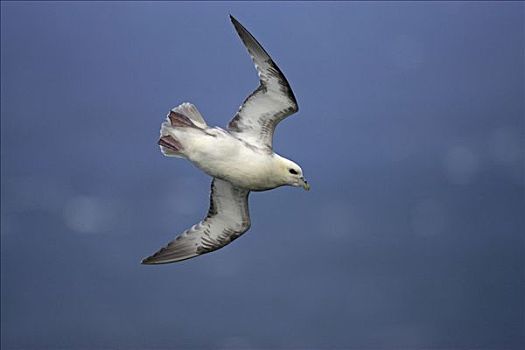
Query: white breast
point(221, 155)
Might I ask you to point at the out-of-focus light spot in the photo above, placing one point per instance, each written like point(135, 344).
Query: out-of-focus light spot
point(505, 145)
point(339, 219)
point(86, 214)
point(460, 165)
point(428, 218)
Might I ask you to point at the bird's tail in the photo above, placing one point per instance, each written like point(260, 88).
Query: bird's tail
point(183, 116)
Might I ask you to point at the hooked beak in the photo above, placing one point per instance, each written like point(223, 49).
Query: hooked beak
point(305, 184)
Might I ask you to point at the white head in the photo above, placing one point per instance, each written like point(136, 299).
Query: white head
point(292, 174)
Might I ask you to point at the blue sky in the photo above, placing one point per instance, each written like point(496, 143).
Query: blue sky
point(410, 131)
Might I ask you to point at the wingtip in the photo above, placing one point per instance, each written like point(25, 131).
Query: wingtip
point(150, 260)
point(235, 22)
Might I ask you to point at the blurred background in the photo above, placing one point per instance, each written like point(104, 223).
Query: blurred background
point(410, 130)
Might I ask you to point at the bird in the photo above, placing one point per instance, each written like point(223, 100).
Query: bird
point(240, 158)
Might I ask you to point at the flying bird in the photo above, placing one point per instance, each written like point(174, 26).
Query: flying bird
point(240, 158)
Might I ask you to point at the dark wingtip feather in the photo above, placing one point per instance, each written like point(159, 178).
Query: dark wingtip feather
point(166, 256)
point(234, 20)
point(146, 261)
point(240, 28)
point(151, 260)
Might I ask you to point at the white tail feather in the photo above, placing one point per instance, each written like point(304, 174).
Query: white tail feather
point(191, 112)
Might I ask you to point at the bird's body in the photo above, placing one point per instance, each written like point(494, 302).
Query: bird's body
point(220, 154)
point(240, 158)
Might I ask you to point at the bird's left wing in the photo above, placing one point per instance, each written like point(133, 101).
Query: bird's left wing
point(270, 103)
point(227, 219)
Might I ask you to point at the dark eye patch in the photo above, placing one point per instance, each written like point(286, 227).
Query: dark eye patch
point(292, 171)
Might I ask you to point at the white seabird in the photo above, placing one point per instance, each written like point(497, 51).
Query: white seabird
point(240, 159)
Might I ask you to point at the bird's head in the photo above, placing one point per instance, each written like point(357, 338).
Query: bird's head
point(292, 174)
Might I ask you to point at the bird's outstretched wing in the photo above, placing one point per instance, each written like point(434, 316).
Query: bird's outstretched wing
point(270, 103)
point(227, 219)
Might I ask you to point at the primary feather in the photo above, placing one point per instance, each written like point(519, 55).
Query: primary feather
point(270, 103)
point(227, 219)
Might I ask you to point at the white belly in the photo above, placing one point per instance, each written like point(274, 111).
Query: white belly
point(228, 158)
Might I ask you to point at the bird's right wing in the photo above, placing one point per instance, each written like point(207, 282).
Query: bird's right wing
point(227, 219)
point(270, 103)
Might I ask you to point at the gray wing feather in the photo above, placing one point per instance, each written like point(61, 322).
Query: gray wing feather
point(270, 103)
point(227, 219)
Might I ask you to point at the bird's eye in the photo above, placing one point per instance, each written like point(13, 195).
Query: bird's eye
point(292, 171)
